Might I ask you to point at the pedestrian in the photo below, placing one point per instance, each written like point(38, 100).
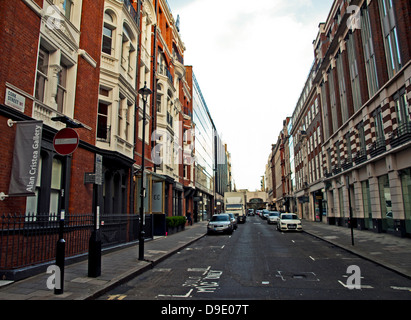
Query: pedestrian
point(190, 222)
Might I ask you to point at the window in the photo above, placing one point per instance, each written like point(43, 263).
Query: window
point(61, 88)
point(401, 104)
point(341, 200)
point(342, 87)
point(361, 137)
point(369, 54)
point(325, 110)
point(107, 40)
point(127, 50)
point(366, 197)
point(354, 76)
point(108, 31)
point(379, 130)
point(334, 116)
point(385, 202)
point(102, 122)
point(348, 145)
point(338, 154)
point(391, 45)
point(406, 195)
point(42, 73)
point(56, 172)
point(68, 6)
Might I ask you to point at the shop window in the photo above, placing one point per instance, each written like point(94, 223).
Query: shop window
point(385, 202)
point(406, 194)
point(366, 198)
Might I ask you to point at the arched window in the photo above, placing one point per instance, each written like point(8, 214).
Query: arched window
point(108, 33)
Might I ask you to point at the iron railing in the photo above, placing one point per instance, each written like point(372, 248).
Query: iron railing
point(30, 239)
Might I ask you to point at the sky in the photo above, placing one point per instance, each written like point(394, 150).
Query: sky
point(251, 60)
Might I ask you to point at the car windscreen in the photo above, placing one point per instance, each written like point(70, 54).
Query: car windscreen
point(289, 217)
point(219, 218)
point(274, 214)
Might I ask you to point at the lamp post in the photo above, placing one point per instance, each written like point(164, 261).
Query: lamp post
point(144, 92)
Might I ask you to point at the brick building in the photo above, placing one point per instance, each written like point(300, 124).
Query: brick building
point(49, 74)
point(351, 126)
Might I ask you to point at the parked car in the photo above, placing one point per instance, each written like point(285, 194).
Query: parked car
point(250, 212)
point(265, 214)
point(273, 217)
point(289, 221)
point(233, 220)
point(220, 223)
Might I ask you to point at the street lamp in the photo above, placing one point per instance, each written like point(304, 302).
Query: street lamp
point(144, 92)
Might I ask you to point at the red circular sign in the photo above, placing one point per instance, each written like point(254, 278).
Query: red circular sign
point(66, 141)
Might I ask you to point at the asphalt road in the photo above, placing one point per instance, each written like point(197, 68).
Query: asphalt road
point(257, 262)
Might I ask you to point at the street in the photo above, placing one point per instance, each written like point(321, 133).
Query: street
point(257, 262)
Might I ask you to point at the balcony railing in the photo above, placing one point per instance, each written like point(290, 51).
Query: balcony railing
point(131, 10)
point(401, 135)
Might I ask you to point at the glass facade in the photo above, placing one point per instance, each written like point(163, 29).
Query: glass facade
point(204, 141)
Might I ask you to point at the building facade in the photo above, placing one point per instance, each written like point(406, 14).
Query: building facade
point(81, 65)
point(350, 129)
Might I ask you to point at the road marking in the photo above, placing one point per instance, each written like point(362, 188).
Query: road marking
point(223, 247)
point(312, 258)
point(176, 295)
point(292, 241)
point(265, 282)
point(116, 297)
point(401, 288)
point(362, 286)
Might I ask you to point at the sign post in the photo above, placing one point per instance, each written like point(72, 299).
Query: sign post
point(94, 256)
point(65, 143)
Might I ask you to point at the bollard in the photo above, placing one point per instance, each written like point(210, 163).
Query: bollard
point(60, 255)
point(94, 255)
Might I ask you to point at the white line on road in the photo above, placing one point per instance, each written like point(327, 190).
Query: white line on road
point(362, 286)
point(401, 288)
point(176, 295)
point(312, 258)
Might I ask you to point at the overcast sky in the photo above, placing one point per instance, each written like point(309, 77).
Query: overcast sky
point(251, 59)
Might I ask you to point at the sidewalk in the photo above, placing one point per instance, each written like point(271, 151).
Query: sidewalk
point(116, 268)
point(120, 266)
point(384, 249)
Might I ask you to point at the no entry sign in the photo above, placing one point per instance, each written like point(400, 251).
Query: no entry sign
point(66, 141)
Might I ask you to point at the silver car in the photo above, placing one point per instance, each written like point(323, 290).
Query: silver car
point(233, 220)
point(220, 223)
point(273, 217)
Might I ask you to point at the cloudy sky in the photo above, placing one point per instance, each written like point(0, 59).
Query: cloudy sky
point(251, 59)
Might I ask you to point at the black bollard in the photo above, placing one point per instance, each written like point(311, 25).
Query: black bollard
point(60, 257)
point(94, 254)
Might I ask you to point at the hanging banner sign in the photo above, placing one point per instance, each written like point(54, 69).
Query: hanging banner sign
point(26, 158)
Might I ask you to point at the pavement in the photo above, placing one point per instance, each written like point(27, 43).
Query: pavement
point(122, 265)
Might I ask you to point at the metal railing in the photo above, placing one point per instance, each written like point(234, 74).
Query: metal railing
point(30, 239)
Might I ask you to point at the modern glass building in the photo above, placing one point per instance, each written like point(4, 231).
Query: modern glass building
point(204, 154)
